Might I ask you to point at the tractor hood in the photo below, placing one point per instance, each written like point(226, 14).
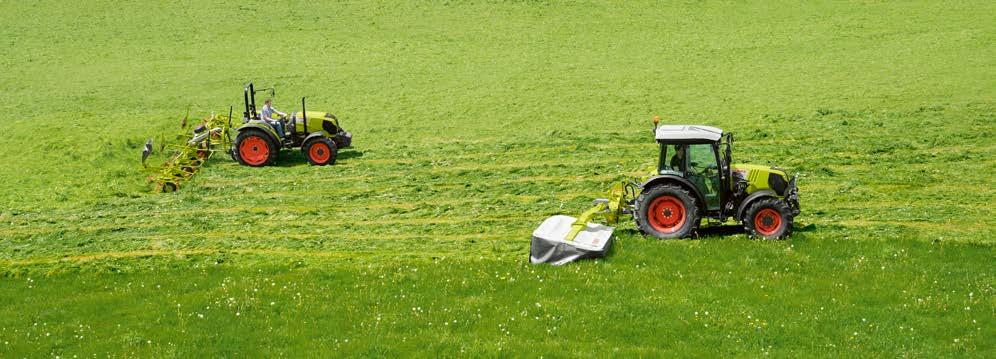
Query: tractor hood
point(761, 177)
point(322, 121)
point(316, 115)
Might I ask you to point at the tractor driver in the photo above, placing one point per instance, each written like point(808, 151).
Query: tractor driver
point(267, 114)
point(678, 161)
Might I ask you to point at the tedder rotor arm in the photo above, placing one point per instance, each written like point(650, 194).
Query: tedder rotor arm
point(188, 156)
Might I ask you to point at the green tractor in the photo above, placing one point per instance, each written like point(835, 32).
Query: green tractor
point(317, 134)
point(695, 178)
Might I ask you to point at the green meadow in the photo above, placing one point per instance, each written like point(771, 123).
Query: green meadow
point(473, 122)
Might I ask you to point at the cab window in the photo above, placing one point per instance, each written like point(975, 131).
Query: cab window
point(672, 158)
point(703, 159)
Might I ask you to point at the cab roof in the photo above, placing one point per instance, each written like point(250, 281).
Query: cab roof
point(688, 134)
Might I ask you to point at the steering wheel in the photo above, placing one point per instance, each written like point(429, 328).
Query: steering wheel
point(710, 169)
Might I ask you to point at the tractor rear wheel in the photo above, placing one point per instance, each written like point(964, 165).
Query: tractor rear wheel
point(768, 218)
point(255, 148)
point(666, 212)
point(320, 151)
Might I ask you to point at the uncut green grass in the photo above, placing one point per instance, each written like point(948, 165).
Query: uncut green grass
point(472, 123)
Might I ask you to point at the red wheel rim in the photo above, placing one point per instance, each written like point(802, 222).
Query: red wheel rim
point(319, 152)
point(666, 214)
point(254, 150)
point(767, 222)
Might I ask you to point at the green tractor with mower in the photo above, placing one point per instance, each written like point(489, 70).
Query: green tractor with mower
point(695, 178)
point(258, 143)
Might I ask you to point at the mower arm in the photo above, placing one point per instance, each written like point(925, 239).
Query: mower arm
point(601, 205)
point(607, 208)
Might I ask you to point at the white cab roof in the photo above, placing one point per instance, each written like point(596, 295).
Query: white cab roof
point(688, 133)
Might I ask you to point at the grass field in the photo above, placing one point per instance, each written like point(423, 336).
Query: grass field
point(473, 122)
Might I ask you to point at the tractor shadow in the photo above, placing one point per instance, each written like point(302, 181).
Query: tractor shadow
point(347, 154)
point(719, 231)
point(294, 158)
point(732, 229)
point(713, 232)
point(807, 228)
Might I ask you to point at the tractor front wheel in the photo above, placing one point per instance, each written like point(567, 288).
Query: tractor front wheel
point(254, 148)
point(320, 152)
point(768, 218)
point(666, 212)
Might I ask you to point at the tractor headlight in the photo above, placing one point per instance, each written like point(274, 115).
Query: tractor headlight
point(792, 196)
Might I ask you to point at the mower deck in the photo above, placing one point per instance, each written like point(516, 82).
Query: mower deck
point(550, 243)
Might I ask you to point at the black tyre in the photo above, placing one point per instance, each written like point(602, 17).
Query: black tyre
point(168, 187)
point(320, 151)
point(768, 218)
point(255, 148)
point(667, 211)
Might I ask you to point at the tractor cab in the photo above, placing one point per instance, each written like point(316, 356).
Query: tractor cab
point(693, 153)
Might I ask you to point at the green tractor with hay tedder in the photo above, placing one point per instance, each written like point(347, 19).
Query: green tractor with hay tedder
point(257, 141)
point(317, 134)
